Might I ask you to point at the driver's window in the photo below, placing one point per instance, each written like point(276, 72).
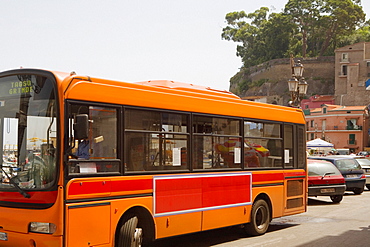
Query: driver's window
point(102, 133)
point(97, 152)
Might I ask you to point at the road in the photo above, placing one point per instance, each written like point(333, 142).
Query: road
point(324, 224)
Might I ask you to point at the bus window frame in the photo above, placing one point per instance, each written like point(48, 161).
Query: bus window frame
point(212, 135)
point(69, 132)
point(188, 134)
point(300, 129)
point(280, 138)
point(294, 140)
point(191, 135)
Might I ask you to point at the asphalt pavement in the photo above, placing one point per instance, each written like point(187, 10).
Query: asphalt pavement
point(324, 224)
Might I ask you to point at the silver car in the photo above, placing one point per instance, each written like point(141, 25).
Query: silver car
point(365, 165)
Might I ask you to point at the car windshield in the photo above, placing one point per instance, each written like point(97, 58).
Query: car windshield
point(347, 164)
point(322, 168)
point(27, 132)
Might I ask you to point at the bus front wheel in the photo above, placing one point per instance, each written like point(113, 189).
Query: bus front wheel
point(130, 235)
point(260, 218)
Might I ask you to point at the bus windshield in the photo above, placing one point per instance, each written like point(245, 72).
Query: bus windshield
point(27, 133)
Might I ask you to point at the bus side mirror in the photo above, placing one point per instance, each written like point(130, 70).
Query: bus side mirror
point(81, 127)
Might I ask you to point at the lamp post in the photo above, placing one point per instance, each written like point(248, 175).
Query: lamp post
point(297, 84)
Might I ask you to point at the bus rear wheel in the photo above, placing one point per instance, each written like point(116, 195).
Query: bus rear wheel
point(260, 218)
point(130, 235)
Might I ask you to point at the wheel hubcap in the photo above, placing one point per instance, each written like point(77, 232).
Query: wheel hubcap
point(261, 215)
point(138, 237)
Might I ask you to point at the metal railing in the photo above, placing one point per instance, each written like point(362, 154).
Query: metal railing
point(334, 127)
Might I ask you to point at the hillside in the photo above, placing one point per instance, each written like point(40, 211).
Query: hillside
point(270, 79)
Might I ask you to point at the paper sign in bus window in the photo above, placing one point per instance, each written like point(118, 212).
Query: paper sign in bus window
point(286, 156)
point(89, 167)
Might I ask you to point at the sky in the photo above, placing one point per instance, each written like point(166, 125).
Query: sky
point(126, 40)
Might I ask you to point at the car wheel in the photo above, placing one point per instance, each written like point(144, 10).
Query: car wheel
point(260, 219)
point(368, 186)
point(358, 191)
point(336, 198)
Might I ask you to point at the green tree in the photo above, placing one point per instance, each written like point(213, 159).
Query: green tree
point(304, 14)
point(276, 36)
point(239, 30)
point(261, 36)
point(360, 35)
point(320, 23)
point(340, 18)
point(304, 28)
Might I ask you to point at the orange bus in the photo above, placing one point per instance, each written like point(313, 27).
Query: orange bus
point(95, 162)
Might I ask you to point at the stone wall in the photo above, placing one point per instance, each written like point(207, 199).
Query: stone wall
point(319, 74)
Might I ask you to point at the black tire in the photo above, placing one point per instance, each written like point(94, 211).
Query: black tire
point(368, 186)
point(336, 198)
point(130, 235)
point(358, 191)
point(260, 219)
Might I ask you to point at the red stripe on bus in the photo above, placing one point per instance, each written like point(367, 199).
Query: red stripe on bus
point(40, 197)
point(132, 185)
point(189, 193)
point(89, 187)
point(295, 174)
point(108, 186)
point(267, 177)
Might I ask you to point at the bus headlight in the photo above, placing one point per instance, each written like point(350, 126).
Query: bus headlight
point(41, 227)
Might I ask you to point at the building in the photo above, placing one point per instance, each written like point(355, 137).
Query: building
point(352, 74)
point(317, 101)
point(341, 119)
point(344, 126)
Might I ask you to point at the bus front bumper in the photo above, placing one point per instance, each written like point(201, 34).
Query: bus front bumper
point(12, 239)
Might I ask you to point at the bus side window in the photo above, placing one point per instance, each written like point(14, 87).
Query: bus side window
point(288, 145)
point(262, 145)
point(217, 143)
point(103, 133)
point(155, 140)
point(95, 139)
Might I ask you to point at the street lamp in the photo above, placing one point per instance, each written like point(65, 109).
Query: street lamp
point(297, 84)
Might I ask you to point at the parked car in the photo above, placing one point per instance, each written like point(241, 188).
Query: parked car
point(324, 179)
point(350, 169)
point(364, 153)
point(365, 165)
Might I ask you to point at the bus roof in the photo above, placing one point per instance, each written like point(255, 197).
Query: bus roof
point(165, 94)
point(189, 87)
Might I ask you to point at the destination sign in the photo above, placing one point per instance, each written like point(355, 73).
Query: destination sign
point(10, 86)
point(20, 87)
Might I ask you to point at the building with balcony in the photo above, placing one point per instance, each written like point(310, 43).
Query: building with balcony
point(344, 126)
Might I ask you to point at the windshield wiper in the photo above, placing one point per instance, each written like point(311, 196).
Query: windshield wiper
point(22, 192)
point(326, 174)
